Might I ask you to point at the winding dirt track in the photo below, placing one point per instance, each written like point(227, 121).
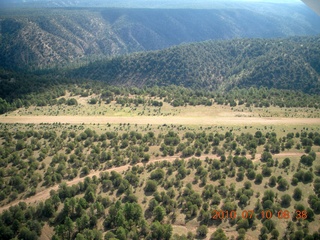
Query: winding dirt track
point(45, 193)
point(158, 120)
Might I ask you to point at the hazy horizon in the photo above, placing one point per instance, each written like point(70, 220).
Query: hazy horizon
point(130, 4)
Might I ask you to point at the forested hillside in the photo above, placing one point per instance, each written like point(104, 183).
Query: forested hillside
point(45, 38)
point(292, 63)
point(210, 68)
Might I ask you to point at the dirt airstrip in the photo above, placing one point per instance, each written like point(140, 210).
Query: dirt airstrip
point(159, 120)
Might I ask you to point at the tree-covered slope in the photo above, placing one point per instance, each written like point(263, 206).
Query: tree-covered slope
point(42, 38)
point(291, 63)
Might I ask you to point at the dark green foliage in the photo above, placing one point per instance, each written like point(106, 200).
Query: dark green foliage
point(242, 233)
point(151, 186)
point(303, 176)
point(267, 204)
point(216, 199)
point(72, 101)
point(307, 160)
point(229, 206)
point(20, 145)
point(251, 174)
point(266, 172)
point(20, 221)
point(285, 200)
point(93, 101)
point(265, 156)
point(243, 224)
point(297, 194)
point(268, 195)
point(48, 209)
point(192, 201)
point(161, 231)
point(283, 184)
point(310, 214)
point(316, 186)
point(258, 178)
point(308, 177)
point(299, 234)
point(314, 202)
point(316, 141)
point(172, 139)
point(218, 234)
point(202, 231)
point(121, 215)
point(275, 234)
point(159, 213)
point(269, 224)
point(26, 234)
point(240, 55)
point(272, 181)
point(157, 174)
point(285, 163)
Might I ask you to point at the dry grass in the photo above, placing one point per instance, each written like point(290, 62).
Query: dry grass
point(130, 110)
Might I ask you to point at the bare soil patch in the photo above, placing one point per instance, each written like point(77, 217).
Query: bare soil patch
point(47, 232)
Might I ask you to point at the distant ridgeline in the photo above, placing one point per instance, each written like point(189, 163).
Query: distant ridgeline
point(58, 37)
point(43, 54)
point(292, 63)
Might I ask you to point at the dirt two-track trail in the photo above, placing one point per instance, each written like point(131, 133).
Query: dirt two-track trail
point(45, 193)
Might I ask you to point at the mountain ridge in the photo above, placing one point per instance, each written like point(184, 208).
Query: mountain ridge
point(291, 63)
point(47, 38)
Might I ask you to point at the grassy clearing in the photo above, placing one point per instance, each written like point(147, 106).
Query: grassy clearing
point(130, 110)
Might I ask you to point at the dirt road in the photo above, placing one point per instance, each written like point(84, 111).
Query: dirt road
point(158, 120)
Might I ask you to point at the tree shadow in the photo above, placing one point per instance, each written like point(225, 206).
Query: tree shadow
point(257, 182)
point(147, 214)
point(282, 188)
